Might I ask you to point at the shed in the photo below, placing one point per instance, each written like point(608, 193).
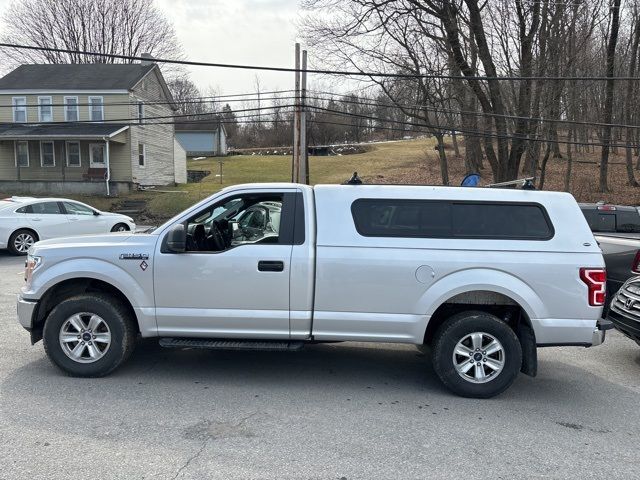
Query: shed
point(202, 139)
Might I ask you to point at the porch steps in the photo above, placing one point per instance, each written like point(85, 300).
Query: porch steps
point(129, 207)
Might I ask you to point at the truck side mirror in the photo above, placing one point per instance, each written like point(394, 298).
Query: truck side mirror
point(177, 239)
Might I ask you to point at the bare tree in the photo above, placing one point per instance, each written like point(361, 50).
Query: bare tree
point(187, 96)
point(120, 27)
point(608, 101)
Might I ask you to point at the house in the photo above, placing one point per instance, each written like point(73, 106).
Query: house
point(87, 128)
point(202, 138)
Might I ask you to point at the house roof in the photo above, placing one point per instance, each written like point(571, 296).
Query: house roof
point(60, 131)
point(87, 76)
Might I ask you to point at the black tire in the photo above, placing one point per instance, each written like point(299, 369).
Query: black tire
point(460, 327)
point(121, 328)
point(15, 242)
point(120, 227)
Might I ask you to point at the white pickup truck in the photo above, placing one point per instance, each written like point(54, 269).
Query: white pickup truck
point(481, 276)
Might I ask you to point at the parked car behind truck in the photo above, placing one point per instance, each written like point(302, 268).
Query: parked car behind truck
point(621, 257)
point(25, 220)
point(482, 276)
point(617, 230)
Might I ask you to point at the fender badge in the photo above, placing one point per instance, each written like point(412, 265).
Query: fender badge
point(134, 256)
point(144, 265)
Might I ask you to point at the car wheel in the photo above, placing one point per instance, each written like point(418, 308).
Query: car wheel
point(21, 240)
point(89, 335)
point(120, 227)
point(476, 354)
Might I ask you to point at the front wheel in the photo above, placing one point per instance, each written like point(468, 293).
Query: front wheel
point(89, 335)
point(476, 354)
point(120, 227)
point(21, 240)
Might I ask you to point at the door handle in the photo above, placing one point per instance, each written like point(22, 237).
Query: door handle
point(36, 219)
point(74, 219)
point(270, 266)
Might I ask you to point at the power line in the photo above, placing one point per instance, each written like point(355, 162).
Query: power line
point(357, 73)
point(144, 120)
point(429, 129)
point(241, 97)
point(475, 113)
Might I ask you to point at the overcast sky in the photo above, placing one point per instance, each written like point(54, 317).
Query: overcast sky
point(260, 32)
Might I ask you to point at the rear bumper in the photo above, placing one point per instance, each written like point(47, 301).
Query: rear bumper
point(599, 333)
point(629, 327)
point(26, 308)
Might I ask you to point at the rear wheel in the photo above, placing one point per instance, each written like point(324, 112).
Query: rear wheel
point(476, 354)
point(21, 240)
point(89, 335)
point(120, 227)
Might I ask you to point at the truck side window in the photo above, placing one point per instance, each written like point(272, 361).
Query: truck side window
point(247, 219)
point(450, 219)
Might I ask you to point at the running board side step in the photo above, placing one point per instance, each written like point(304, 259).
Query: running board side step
point(223, 344)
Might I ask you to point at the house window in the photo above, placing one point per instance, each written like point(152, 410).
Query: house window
point(45, 110)
point(140, 113)
point(20, 109)
point(71, 109)
point(73, 154)
point(142, 153)
point(22, 154)
point(96, 109)
point(47, 154)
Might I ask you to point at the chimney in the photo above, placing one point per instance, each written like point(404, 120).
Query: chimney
point(148, 59)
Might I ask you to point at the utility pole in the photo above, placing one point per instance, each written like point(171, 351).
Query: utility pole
point(295, 163)
point(304, 157)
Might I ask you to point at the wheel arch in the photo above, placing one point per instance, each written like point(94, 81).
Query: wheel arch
point(492, 291)
point(69, 288)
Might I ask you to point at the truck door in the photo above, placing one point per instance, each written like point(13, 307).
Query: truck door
point(233, 280)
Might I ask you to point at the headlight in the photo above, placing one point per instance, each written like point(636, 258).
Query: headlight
point(30, 266)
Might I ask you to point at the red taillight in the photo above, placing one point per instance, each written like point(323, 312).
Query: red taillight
point(596, 280)
point(635, 266)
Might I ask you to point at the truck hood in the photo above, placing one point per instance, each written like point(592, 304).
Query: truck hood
point(95, 243)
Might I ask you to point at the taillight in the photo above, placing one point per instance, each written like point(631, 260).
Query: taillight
point(596, 280)
point(635, 266)
point(607, 208)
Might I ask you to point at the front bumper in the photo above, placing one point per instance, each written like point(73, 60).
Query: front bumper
point(26, 309)
point(626, 325)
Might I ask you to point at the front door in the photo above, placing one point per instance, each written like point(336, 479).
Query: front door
point(233, 279)
point(83, 220)
point(97, 155)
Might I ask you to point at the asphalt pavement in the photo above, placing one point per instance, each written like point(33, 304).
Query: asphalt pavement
point(333, 411)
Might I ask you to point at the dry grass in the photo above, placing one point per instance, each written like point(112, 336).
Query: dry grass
point(402, 162)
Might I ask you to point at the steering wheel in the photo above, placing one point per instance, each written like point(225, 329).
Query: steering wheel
point(215, 237)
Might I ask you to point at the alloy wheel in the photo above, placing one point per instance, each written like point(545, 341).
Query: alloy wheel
point(478, 357)
point(85, 337)
point(23, 242)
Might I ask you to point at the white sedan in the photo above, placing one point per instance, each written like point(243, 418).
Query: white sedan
point(25, 220)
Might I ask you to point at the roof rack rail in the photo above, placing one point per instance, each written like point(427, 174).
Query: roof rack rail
point(526, 183)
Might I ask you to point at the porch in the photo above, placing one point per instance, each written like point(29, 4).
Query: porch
point(65, 158)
